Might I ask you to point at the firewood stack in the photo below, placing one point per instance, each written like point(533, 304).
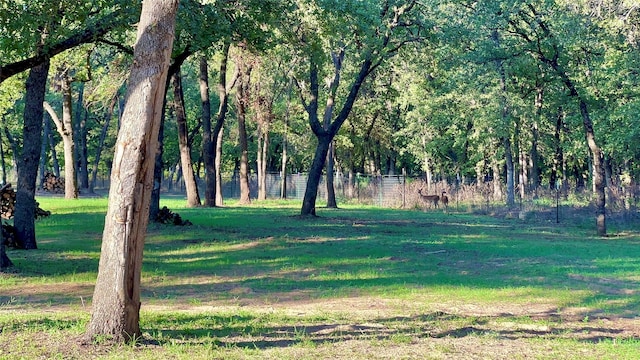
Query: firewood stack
point(7, 201)
point(9, 236)
point(166, 216)
point(53, 184)
point(8, 204)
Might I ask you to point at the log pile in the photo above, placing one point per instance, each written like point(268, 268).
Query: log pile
point(53, 184)
point(8, 204)
point(7, 201)
point(9, 236)
point(166, 216)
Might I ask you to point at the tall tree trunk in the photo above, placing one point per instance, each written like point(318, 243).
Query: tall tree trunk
point(315, 174)
point(24, 214)
point(65, 130)
point(217, 134)
point(154, 205)
point(242, 98)
point(263, 150)
point(208, 150)
point(283, 166)
point(51, 141)
point(535, 136)
point(337, 59)
point(80, 131)
point(116, 299)
point(508, 156)
point(219, 197)
point(43, 153)
point(193, 198)
point(598, 170)
point(504, 116)
point(103, 137)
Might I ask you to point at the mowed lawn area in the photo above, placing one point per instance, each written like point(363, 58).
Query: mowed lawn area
point(260, 282)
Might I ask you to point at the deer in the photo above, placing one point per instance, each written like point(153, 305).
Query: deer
point(445, 201)
point(429, 198)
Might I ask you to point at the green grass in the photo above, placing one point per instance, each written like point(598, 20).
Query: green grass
point(357, 282)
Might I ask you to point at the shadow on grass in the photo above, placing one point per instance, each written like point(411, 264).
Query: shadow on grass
point(257, 255)
point(253, 332)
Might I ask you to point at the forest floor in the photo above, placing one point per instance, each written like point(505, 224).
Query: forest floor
point(352, 284)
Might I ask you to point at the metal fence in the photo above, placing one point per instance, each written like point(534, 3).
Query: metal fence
point(398, 191)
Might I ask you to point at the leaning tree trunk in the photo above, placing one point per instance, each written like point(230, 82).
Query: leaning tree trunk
point(116, 299)
point(315, 173)
point(598, 171)
point(193, 198)
point(24, 213)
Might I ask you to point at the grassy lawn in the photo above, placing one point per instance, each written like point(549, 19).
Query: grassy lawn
point(354, 283)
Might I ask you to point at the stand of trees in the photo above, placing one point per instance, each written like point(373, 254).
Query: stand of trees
point(532, 95)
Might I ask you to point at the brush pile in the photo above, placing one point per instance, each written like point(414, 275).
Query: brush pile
point(166, 216)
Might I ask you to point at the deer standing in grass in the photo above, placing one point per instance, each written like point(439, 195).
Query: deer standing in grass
point(445, 201)
point(429, 198)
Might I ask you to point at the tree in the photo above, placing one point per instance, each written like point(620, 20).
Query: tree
point(543, 44)
point(23, 44)
point(65, 129)
point(379, 30)
point(116, 300)
point(242, 103)
point(193, 198)
point(24, 215)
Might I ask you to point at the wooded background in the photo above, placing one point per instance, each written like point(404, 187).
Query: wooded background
point(462, 93)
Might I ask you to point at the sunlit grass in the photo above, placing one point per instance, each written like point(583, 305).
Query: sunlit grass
point(222, 288)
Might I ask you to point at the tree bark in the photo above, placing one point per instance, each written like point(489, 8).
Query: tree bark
point(65, 130)
point(5, 262)
point(80, 132)
point(193, 198)
point(219, 197)
point(242, 97)
point(208, 150)
point(24, 215)
point(214, 185)
point(154, 204)
point(116, 300)
point(103, 137)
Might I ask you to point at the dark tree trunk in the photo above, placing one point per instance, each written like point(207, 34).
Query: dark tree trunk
point(5, 262)
point(315, 174)
point(80, 129)
point(24, 215)
point(43, 152)
point(331, 192)
point(208, 150)
point(326, 134)
point(242, 98)
point(598, 171)
point(103, 137)
point(193, 198)
point(154, 205)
